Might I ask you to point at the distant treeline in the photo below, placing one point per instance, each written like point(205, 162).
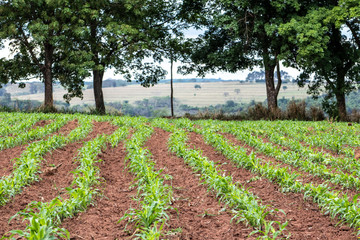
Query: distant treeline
point(108, 83)
point(160, 106)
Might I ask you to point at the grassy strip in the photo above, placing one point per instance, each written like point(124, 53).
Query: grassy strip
point(154, 196)
point(37, 133)
point(301, 159)
point(28, 165)
point(45, 218)
point(331, 202)
point(245, 206)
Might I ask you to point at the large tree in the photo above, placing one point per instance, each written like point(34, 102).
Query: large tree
point(124, 35)
point(241, 35)
point(327, 52)
point(36, 31)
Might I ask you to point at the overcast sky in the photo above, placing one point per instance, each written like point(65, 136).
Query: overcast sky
point(241, 75)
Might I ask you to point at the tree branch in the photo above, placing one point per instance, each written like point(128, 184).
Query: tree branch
point(353, 32)
point(30, 49)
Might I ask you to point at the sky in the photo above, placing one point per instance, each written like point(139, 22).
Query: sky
point(192, 33)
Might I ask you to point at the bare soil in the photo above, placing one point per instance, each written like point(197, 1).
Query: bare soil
point(305, 176)
point(198, 214)
point(55, 176)
point(305, 219)
point(8, 156)
point(101, 220)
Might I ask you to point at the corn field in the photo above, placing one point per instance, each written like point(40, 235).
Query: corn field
point(118, 177)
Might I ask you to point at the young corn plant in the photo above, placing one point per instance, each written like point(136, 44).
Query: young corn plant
point(301, 159)
point(245, 205)
point(331, 202)
point(36, 133)
point(27, 167)
point(44, 218)
point(26, 121)
point(154, 196)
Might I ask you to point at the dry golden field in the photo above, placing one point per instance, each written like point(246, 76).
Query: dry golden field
point(209, 94)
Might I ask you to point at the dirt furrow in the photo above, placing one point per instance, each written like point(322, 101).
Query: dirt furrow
point(100, 220)
point(7, 155)
point(305, 176)
point(198, 214)
point(55, 176)
point(305, 219)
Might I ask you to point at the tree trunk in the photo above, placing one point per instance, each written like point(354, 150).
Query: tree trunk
point(278, 86)
point(47, 73)
point(270, 88)
point(98, 93)
point(341, 105)
point(171, 88)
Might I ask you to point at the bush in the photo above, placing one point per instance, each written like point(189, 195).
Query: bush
point(317, 114)
point(258, 112)
point(355, 116)
point(296, 111)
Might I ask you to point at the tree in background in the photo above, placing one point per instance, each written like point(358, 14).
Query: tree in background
point(122, 35)
point(241, 35)
point(176, 48)
point(255, 76)
point(327, 52)
point(36, 31)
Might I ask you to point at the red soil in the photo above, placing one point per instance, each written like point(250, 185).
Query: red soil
point(8, 155)
point(56, 175)
point(100, 220)
point(41, 123)
point(305, 219)
point(198, 211)
point(305, 176)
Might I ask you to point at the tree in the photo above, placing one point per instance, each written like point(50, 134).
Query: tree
point(37, 33)
point(237, 91)
point(347, 13)
point(325, 51)
point(175, 48)
point(255, 76)
point(120, 35)
point(197, 86)
point(242, 35)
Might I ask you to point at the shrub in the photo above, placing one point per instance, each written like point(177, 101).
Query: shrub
point(317, 114)
point(296, 111)
point(258, 112)
point(354, 116)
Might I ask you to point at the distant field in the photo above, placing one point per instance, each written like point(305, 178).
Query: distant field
point(209, 94)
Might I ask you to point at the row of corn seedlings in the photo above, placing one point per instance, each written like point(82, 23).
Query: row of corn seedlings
point(349, 134)
point(33, 134)
point(45, 218)
point(12, 118)
point(300, 159)
point(349, 164)
point(244, 205)
point(336, 142)
point(331, 202)
point(153, 196)
point(27, 167)
point(24, 123)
